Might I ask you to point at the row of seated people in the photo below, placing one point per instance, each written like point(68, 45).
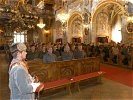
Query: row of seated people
point(116, 53)
point(111, 52)
point(51, 53)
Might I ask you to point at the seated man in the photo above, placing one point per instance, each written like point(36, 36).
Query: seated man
point(49, 56)
point(67, 54)
point(42, 52)
point(57, 53)
point(79, 53)
point(32, 54)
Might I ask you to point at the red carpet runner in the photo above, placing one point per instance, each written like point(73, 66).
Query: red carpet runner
point(120, 75)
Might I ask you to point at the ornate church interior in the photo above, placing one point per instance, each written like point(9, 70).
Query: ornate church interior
point(79, 49)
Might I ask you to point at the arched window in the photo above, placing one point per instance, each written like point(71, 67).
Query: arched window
point(20, 37)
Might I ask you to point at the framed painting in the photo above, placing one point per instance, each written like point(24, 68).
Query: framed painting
point(129, 27)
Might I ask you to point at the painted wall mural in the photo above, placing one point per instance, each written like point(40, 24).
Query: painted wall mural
point(77, 27)
point(102, 24)
point(59, 31)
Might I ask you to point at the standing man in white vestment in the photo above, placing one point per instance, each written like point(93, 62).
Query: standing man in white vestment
point(21, 84)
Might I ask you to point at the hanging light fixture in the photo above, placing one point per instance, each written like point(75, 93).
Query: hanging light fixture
point(63, 16)
point(130, 18)
point(41, 24)
point(86, 25)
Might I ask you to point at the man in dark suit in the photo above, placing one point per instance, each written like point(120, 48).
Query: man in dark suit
point(49, 56)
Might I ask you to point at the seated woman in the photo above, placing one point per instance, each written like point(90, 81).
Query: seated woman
point(49, 57)
point(115, 53)
point(67, 54)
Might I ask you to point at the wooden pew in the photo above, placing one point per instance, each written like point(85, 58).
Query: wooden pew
point(64, 73)
point(79, 78)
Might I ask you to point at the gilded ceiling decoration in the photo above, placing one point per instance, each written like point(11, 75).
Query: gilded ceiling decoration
point(25, 13)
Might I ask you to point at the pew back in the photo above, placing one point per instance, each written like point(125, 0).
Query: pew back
point(63, 69)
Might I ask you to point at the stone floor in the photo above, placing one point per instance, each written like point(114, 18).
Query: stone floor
point(108, 90)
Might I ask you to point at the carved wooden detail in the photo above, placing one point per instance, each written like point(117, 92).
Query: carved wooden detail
point(42, 75)
point(66, 71)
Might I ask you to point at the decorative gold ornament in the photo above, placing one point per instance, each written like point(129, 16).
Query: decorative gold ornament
point(129, 27)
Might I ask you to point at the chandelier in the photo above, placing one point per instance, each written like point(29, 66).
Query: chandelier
point(41, 24)
point(63, 16)
point(86, 25)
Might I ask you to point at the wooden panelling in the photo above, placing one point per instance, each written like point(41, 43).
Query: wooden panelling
point(63, 69)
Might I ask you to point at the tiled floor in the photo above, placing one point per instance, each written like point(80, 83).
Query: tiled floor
point(108, 90)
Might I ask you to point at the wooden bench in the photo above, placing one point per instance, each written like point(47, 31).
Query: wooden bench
point(57, 84)
point(66, 82)
point(79, 78)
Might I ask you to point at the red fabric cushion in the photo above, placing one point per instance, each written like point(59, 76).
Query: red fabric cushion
point(56, 83)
